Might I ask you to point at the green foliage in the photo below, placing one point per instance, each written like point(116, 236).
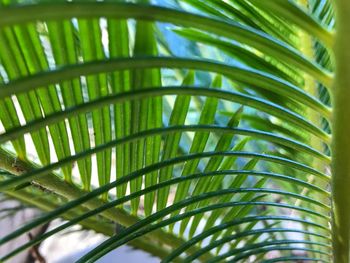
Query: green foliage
point(200, 126)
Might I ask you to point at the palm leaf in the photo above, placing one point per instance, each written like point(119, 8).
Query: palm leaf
point(206, 156)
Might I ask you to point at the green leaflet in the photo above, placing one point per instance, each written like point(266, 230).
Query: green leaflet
point(61, 37)
point(199, 141)
point(236, 183)
point(278, 140)
point(9, 120)
point(246, 234)
point(234, 50)
point(298, 16)
point(91, 49)
point(36, 61)
point(120, 82)
point(146, 114)
point(171, 142)
point(240, 212)
point(227, 164)
point(237, 73)
point(259, 104)
point(74, 203)
point(246, 35)
point(28, 103)
point(206, 184)
point(111, 243)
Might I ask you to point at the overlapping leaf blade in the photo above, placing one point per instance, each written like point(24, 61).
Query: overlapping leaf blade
point(70, 67)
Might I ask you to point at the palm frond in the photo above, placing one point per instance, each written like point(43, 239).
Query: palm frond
point(209, 156)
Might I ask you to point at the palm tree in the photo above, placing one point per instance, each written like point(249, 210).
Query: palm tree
point(201, 130)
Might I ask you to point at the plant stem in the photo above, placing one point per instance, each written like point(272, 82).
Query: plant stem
point(341, 133)
point(45, 205)
point(16, 167)
point(55, 184)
